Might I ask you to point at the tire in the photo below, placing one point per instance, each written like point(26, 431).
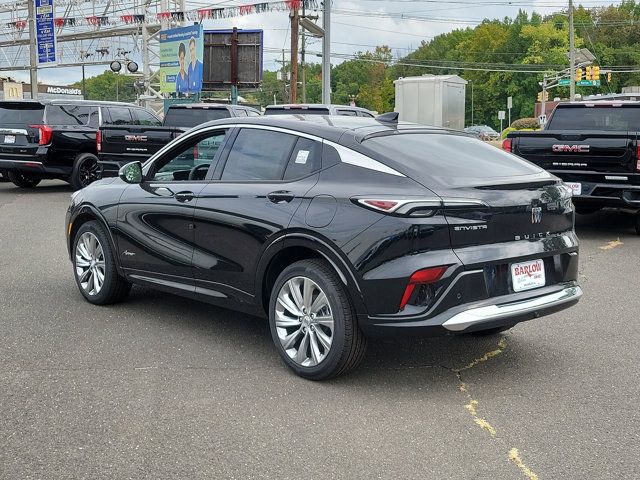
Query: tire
point(23, 180)
point(95, 252)
point(586, 209)
point(86, 170)
point(346, 342)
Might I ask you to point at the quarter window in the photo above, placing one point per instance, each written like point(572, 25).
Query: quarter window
point(259, 155)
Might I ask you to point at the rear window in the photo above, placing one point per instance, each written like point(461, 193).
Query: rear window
point(449, 157)
point(191, 117)
point(69, 114)
point(12, 114)
point(606, 118)
point(296, 111)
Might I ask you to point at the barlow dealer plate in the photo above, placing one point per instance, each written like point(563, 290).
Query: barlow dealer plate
point(575, 187)
point(527, 275)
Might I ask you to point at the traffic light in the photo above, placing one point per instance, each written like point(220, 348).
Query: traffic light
point(546, 96)
point(596, 73)
point(578, 74)
point(609, 77)
point(587, 73)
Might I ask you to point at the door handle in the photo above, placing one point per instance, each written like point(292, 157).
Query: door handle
point(281, 196)
point(184, 197)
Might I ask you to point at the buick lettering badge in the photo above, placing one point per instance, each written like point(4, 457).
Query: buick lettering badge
point(536, 214)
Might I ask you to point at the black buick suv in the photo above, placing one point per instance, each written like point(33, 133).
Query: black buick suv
point(335, 228)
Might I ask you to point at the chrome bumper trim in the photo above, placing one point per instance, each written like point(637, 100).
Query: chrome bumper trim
point(473, 316)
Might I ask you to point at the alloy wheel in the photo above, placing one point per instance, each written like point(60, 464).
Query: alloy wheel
point(304, 322)
point(90, 264)
point(88, 172)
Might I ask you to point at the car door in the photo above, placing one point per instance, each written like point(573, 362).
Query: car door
point(155, 231)
point(260, 182)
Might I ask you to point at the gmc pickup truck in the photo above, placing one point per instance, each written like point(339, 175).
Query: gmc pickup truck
point(594, 148)
point(119, 145)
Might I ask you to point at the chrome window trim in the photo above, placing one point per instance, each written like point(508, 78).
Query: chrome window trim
point(348, 156)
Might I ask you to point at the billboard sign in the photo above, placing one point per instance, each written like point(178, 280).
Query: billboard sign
point(45, 32)
point(181, 55)
point(223, 49)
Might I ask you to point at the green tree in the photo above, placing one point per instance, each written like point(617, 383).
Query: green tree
point(110, 86)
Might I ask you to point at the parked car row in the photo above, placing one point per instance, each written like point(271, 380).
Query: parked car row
point(79, 141)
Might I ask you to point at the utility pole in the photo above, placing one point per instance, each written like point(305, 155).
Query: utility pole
point(572, 56)
point(295, 23)
point(326, 52)
point(302, 59)
point(33, 49)
point(284, 79)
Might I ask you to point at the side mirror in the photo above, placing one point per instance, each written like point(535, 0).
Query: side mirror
point(131, 172)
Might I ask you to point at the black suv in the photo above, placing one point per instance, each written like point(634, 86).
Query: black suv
point(57, 138)
point(333, 227)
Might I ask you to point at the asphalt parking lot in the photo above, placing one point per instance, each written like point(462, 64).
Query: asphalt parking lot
point(159, 387)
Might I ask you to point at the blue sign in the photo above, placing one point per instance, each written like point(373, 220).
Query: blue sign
point(45, 32)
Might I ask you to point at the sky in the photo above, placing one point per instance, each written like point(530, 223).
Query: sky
point(357, 26)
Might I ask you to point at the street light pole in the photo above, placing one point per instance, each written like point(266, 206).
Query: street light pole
point(326, 52)
point(471, 102)
point(33, 49)
point(572, 56)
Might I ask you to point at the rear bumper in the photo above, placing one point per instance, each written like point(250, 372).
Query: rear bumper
point(495, 312)
point(36, 165)
point(605, 190)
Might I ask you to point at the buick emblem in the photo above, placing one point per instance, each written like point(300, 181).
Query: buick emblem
point(536, 214)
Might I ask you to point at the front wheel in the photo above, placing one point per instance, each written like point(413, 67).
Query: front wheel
point(86, 170)
point(313, 324)
point(23, 180)
point(94, 266)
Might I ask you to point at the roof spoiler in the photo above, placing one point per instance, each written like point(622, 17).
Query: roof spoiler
point(390, 117)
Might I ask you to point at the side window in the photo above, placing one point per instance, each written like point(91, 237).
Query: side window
point(258, 155)
point(253, 113)
point(241, 112)
point(190, 163)
point(119, 116)
point(94, 117)
point(305, 159)
point(142, 117)
point(364, 114)
point(347, 113)
point(68, 115)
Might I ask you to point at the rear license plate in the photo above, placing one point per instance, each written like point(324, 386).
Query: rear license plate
point(575, 187)
point(9, 139)
point(527, 275)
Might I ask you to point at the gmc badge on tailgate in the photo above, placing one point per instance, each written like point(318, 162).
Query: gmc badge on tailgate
point(571, 148)
point(135, 138)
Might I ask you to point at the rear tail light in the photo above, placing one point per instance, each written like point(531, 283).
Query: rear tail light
point(420, 289)
point(44, 134)
point(98, 141)
point(506, 145)
point(406, 207)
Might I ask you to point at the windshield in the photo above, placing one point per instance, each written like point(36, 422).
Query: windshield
point(22, 114)
point(605, 117)
point(449, 158)
point(191, 117)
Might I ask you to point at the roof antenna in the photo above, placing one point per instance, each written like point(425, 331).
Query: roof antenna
point(390, 117)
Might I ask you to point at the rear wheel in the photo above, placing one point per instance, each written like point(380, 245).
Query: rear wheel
point(85, 171)
point(313, 324)
point(94, 266)
point(23, 180)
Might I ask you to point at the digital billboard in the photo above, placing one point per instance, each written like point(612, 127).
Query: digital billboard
point(181, 54)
